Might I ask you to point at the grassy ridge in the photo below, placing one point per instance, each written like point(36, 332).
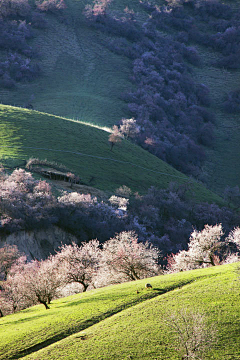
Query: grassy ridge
point(137, 329)
point(23, 133)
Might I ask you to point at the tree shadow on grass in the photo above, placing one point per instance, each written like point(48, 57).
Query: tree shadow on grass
point(145, 294)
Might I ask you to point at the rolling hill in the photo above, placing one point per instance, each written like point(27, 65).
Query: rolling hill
point(126, 321)
point(85, 150)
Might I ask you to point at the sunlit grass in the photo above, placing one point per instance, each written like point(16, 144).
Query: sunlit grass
point(137, 329)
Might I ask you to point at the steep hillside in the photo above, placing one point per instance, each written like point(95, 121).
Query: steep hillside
point(129, 320)
point(82, 79)
point(86, 151)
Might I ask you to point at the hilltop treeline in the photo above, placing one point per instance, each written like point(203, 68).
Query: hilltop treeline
point(171, 109)
point(164, 217)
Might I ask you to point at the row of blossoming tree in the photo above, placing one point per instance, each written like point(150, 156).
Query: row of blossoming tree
point(119, 259)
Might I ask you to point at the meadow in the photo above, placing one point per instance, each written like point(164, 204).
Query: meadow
point(127, 321)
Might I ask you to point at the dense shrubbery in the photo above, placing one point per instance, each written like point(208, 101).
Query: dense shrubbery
point(18, 19)
point(169, 107)
point(165, 217)
point(29, 204)
point(167, 104)
point(231, 102)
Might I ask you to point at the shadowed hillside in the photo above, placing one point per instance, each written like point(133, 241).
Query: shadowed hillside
point(82, 79)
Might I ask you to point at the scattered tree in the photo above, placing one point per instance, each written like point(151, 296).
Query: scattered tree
point(115, 137)
point(39, 281)
point(129, 128)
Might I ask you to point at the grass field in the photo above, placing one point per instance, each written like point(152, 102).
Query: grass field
point(86, 151)
point(116, 322)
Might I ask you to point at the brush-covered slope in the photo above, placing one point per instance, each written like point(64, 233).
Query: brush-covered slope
point(84, 80)
point(137, 329)
point(86, 151)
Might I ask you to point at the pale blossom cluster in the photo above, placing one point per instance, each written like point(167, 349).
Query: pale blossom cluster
point(205, 249)
point(120, 259)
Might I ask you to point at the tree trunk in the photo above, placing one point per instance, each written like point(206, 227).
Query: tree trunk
point(1, 313)
point(84, 287)
point(211, 260)
point(45, 304)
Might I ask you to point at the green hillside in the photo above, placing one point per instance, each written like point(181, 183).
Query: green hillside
point(86, 151)
point(82, 79)
point(127, 321)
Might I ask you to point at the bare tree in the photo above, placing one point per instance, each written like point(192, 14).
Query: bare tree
point(193, 336)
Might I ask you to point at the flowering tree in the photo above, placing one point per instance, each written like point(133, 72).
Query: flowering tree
point(115, 136)
point(234, 236)
point(79, 263)
point(125, 259)
point(39, 281)
point(9, 254)
point(201, 249)
point(98, 8)
point(129, 128)
point(24, 201)
point(12, 296)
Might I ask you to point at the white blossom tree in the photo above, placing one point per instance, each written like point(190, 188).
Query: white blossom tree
point(126, 259)
point(79, 263)
point(201, 249)
point(234, 236)
point(129, 128)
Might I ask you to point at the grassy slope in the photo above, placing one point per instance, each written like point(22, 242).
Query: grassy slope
point(21, 128)
point(137, 332)
point(81, 79)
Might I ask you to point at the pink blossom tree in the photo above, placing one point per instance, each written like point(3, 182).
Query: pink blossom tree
point(115, 137)
point(79, 263)
point(98, 8)
point(39, 281)
point(126, 259)
point(9, 254)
